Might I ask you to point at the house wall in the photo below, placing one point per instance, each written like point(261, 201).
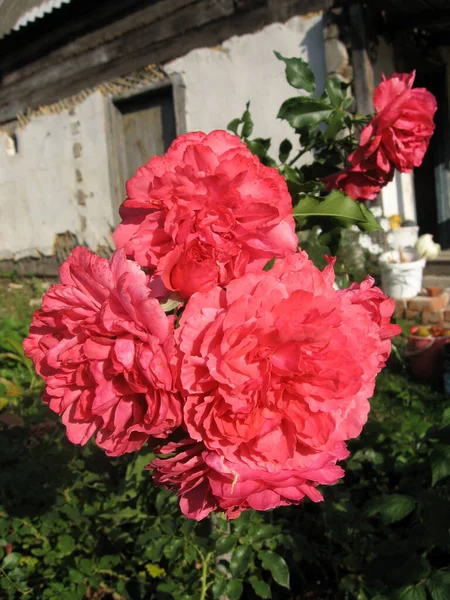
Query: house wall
point(58, 180)
point(398, 196)
point(219, 81)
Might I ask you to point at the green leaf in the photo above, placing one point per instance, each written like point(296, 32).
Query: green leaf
point(276, 565)
point(440, 463)
point(218, 588)
point(171, 304)
point(291, 174)
point(269, 264)
point(240, 560)
point(264, 142)
point(285, 150)
point(439, 585)
point(256, 148)
point(247, 123)
point(298, 73)
point(336, 204)
point(263, 532)
point(108, 561)
point(85, 566)
point(348, 101)
point(262, 589)
point(17, 574)
point(335, 92)
point(335, 124)
point(304, 112)
point(234, 589)
point(224, 545)
point(66, 544)
point(370, 224)
point(76, 576)
point(391, 508)
point(411, 592)
point(446, 416)
point(11, 560)
point(233, 125)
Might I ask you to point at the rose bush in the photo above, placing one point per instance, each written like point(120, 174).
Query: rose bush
point(205, 213)
point(251, 385)
point(105, 348)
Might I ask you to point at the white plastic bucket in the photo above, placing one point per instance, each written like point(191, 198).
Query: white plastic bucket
point(403, 237)
point(401, 280)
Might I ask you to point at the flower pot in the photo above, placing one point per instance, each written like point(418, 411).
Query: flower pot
point(401, 280)
point(425, 356)
point(403, 237)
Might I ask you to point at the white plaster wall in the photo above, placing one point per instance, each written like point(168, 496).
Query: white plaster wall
point(219, 81)
point(398, 197)
point(58, 181)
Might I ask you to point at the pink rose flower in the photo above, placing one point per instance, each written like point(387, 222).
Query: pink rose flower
point(396, 138)
point(363, 181)
point(105, 349)
point(276, 371)
point(206, 481)
point(400, 132)
point(205, 213)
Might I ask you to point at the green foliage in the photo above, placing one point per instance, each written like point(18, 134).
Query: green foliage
point(339, 207)
point(75, 524)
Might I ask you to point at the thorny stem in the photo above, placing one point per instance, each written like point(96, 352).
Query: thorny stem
point(296, 157)
point(204, 576)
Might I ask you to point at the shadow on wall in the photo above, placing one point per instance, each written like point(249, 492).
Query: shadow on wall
point(313, 40)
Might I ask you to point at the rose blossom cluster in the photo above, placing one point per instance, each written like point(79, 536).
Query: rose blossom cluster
point(249, 389)
point(397, 137)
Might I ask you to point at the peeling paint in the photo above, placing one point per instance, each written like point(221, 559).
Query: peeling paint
point(81, 198)
point(76, 150)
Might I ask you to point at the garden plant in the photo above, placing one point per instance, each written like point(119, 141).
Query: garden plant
point(210, 365)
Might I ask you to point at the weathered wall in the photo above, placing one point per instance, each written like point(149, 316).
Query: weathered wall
point(219, 81)
point(56, 182)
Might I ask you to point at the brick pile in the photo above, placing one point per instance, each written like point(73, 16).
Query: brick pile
point(430, 309)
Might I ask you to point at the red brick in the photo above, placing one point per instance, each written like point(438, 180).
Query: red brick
point(434, 290)
point(428, 303)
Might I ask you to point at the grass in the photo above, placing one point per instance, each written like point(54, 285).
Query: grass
point(19, 298)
